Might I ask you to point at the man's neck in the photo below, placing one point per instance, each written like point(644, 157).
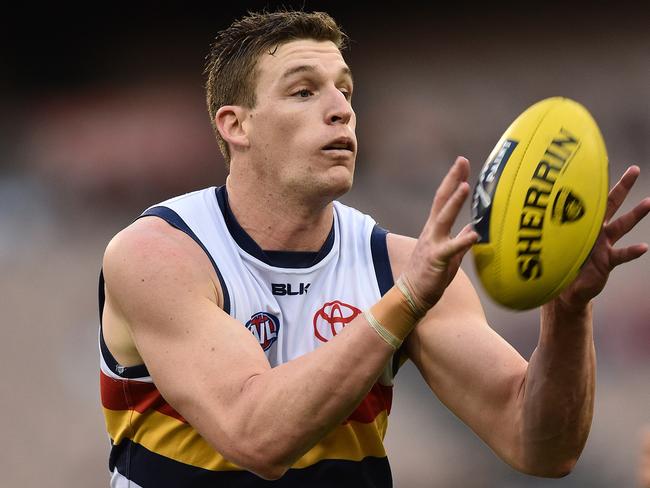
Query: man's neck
point(277, 223)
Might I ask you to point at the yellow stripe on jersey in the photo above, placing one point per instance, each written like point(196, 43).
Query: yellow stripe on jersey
point(177, 440)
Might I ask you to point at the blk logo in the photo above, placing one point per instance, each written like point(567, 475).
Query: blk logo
point(331, 318)
point(265, 328)
point(285, 289)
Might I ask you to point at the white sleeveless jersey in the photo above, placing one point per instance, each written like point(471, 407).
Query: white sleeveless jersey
point(292, 303)
point(291, 311)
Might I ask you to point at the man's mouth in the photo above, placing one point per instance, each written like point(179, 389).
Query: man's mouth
point(340, 144)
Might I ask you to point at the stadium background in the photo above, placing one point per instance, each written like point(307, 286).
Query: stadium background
point(103, 114)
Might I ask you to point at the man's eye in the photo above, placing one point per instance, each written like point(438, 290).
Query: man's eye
point(347, 94)
point(304, 93)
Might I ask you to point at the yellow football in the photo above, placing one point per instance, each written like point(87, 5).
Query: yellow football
point(539, 203)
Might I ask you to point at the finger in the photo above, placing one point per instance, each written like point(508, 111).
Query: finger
point(627, 254)
point(468, 228)
point(625, 223)
point(459, 245)
point(620, 190)
point(445, 219)
point(458, 172)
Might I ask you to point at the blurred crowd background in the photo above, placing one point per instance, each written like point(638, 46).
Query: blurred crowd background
point(103, 114)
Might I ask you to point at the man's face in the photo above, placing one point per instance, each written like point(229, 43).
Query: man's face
point(302, 129)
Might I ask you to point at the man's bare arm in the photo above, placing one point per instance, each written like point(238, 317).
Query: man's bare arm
point(512, 405)
point(535, 416)
point(211, 369)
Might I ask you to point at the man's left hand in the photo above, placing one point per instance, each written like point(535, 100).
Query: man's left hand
point(604, 257)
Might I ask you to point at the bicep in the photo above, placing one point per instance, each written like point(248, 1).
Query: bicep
point(200, 359)
point(198, 356)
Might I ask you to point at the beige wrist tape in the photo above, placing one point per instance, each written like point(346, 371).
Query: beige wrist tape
point(392, 317)
point(381, 330)
point(418, 311)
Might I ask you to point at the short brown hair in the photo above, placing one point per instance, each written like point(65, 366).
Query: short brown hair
point(234, 54)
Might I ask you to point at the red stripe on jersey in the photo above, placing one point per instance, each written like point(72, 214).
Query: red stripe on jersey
point(377, 400)
point(134, 395)
point(125, 394)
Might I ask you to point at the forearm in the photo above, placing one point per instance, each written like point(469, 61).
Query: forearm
point(289, 408)
point(285, 410)
point(557, 395)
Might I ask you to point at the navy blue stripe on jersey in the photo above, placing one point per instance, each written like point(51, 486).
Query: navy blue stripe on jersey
point(291, 259)
point(380, 260)
point(138, 371)
point(279, 259)
point(151, 470)
point(384, 274)
point(175, 220)
point(101, 296)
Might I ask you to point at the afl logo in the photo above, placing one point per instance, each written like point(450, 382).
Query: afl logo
point(331, 319)
point(265, 327)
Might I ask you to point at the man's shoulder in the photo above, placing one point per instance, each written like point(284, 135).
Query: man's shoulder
point(400, 244)
point(151, 234)
point(147, 245)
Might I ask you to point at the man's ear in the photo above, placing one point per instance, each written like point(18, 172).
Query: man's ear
point(229, 121)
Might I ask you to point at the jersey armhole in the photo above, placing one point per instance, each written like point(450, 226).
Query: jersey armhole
point(175, 220)
point(130, 372)
point(384, 275)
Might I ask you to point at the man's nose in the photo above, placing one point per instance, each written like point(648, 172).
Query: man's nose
point(339, 110)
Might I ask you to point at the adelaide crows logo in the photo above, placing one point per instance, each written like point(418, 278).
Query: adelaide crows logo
point(265, 327)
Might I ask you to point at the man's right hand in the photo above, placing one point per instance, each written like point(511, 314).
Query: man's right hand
point(437, 256)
